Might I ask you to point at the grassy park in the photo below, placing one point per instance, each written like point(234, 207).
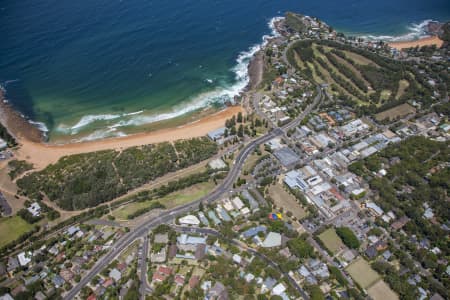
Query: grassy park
point(331, 240)
point(362, 273)
point(171, 200)
point(12, 228)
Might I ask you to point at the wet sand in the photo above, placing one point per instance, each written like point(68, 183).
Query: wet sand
point(427, 41)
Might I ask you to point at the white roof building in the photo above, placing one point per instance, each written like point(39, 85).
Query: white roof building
point(35, 209)
point(374, 208)
point(237, 258)
point(115, 274)
point(227, 204)
point(249, 277)
point(24, 258)
point(278, 289)
point(6, 297)
point(245, 211)
point(275, 144)
point(189, 220)
point(3, 144)
point(273, 239)
point(237, 202)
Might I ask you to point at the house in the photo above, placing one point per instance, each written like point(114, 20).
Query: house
point(249, 277)
point(179, 280)
point(285, 252)
point(203, 219)
point(34, 209)
point(6, 297)
point(100, 291)
point(161, 274)
point(214, 217)
point(158, 277)
point(278, 289)
point(66, 274)
point(218, 292)
point(40, 296)
point(237, 258)
point(18, 290)
point(72, 230)
point(253, 231)
point(194, 281)
point(397, 225)
point(115, 274)
point(268, 284)
point(24, 258)
point(13, 263)
point(237, 203)
point(58, 281)
point(374, 209)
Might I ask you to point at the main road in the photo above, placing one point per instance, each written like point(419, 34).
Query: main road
point(170, 215)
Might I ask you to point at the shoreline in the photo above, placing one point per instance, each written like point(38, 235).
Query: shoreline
point(41, 154)
point(16, 124)
point(34, 149)
point(425, 41)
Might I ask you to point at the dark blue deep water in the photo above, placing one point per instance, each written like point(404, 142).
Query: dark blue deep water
point(84, 66)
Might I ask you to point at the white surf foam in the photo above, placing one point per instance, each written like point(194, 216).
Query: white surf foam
point(219, 95)
point(415, 31)
point(102, 134)
point(89, 119)
point(40, 125)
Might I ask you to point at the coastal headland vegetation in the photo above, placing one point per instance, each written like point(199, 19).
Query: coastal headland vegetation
point(85, 180)
point(360, 78)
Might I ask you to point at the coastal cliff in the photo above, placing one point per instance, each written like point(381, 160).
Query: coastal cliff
point(16, 124)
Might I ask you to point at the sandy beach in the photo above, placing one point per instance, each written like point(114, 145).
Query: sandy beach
point(427, 41)
point(41, 154)
point(33, 149)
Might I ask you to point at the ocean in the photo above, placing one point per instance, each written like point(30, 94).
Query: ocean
point(89, 69)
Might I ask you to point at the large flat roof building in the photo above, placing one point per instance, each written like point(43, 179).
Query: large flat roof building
point(287, 157)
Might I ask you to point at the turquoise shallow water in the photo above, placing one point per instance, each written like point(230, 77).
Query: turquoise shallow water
point(95, 68)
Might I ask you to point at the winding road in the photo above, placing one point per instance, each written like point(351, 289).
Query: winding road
point(169, 215)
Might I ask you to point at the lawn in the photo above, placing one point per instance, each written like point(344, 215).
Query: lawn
point(397, 111)
point(174, 199)
point(381, 291)
point(331, 240)
point(362, 273)
point(12, 228)
point(252, 160)
point(287, 201)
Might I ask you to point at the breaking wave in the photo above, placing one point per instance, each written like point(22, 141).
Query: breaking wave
point(415, 31)
point(219, 95)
